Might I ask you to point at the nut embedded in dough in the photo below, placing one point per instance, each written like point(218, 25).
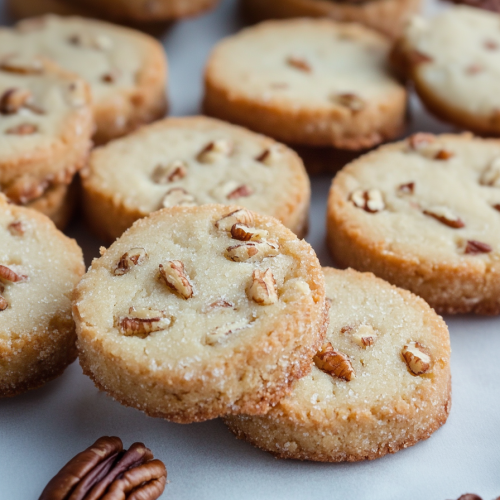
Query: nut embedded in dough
point(416, 357)
point(174, 276)
point(263, 289)
point(334, 363)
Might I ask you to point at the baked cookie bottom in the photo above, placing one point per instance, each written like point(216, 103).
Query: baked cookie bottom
point(386, 16)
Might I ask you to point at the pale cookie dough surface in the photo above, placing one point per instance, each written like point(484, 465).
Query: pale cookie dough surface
point(127, 70)
point(307, 82)
point(384, 407)
point(427, 224)
point(37, 332)
point(454, 61)
point(386, 16)
point(221, 343)
point(170, 163)
point(45, 127)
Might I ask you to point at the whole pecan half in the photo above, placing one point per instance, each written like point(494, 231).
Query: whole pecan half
point(106, 471)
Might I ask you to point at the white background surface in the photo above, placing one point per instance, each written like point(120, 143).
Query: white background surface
point(41, 430)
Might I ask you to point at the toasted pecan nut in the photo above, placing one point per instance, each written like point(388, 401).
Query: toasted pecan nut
point(8, 274)
point(106, 472)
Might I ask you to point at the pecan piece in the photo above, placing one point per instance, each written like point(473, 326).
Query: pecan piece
point(215, 151)
point(445, 216)
point(8, 274)
point(13, 100)
point(417, 358)
point(242, 216)
point(218, 304)
point(140, 323)
point(270, 156)
point(249, 250)
point(23, 129)
point(426, 145)
point(334, 363)
point(364, 336)
point(231, 190)
point(408, 188)
point(263, 290)
point(174, 171)
point(370, 201)
point(16, 228)
point(3, 303)
point(16, 63)
point(244, 233)
point(497, 207)
point(106, 470)
point(299, 63)
point(134, 257)
point(474, 247)
point(350, 101)
point(178, 197)
point(175, 277)
point(221, 333)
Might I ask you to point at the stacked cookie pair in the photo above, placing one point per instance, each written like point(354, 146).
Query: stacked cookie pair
point(201, 312)
point(64, 82)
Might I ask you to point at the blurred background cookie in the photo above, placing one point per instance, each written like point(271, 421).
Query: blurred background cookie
point(381, 381)
point(39, 267)
point(126, 69)
point(193, 161)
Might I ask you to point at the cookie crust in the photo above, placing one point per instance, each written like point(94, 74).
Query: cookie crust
point(387, 16)
point(277, 98)
point(350, 428)
point(246, 378)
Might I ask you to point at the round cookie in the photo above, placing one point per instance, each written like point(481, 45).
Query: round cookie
point(381, 381)
point(39, 267)
point(194, 160)
point(148, 10)
point(386, 16)
point(453, 59)
point(45, 128)
point(424, 214)
point(126, 69)
point(197, 312)
point(308, 82)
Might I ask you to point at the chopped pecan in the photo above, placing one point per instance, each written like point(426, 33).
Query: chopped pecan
point(420, 140)
point(370, 201)
point(3, 303)
point(445, 216)
point(244, 233)
point(417, 358)
point(444, 154)
point(218, 304)
point(270, 156)
point(364, 335)
point(221, 333)
point(214, 151)
point(263, 290)
point(474, 247)
point(141, 322)
point(242, 216)
point(334, 363)
point(16, 228)
point(8, 274)
point(134, 257)
point(497, 207)
point(299, 63)
point(178, 197)
point(233, 190)
point(106, 470)
point(408, 188)
point(175, 277)
point(13, 100)
point(426, 145)
point(249, 250)
point(16, 63)
point(350, 101)
point(174, 171)
point(23, 129)
point(111, 76)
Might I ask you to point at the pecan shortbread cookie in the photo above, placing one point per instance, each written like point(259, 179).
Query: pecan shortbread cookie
point(197, 312)
point(381, 381)
point(193, 161)
point(309, 82)
point(126, 69)
point(39, 267)
point(45, 124)
point(424, 214)
point(386, 16)
point(453, 60)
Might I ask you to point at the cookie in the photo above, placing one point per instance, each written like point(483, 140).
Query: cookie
point(424, 214)
point(39, 267)
point(127, 70)
point(197, 312)
point(148, 10)
point(190, 161)
point(381, 381)
point(452, 60)
point(387, 16)
point(45, 124)
point(307, 82)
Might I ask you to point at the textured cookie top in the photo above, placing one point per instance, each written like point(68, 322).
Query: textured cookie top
point(39, 268)
point(111, 58)
point(193, 161)
point(306, 65)
point(456, 56)
point(384, 346)
point(429, 200)
point(182, 293)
